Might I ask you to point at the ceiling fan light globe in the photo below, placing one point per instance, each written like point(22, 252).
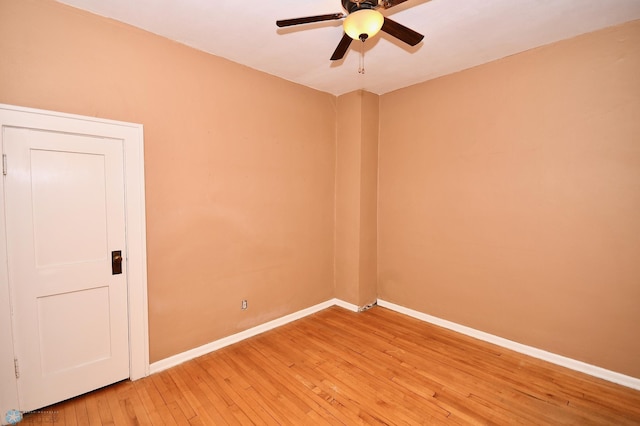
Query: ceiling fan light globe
point(364, 21)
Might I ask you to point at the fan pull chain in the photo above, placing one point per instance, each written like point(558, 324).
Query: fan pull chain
point(361, 65)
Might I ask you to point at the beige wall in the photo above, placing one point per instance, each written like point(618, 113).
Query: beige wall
point(368, 289)
point(239, 165)
point(510, 198)
point(356, 198)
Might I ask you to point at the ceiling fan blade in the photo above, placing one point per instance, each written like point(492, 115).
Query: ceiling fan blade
point(342, 48)
point(309, 19)
point(386, 4)
point(401, 32)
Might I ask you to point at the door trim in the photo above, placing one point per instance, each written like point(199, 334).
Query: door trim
point(135, 223)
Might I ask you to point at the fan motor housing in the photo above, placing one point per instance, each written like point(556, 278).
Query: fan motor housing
point(353, 5)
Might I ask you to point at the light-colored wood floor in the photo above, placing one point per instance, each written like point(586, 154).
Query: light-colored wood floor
point(342, 368)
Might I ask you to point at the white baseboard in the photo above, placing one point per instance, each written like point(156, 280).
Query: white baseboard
point(563, 361)
point(346, 305)
point(235, 338)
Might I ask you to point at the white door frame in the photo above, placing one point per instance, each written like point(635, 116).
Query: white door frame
point(132, 137)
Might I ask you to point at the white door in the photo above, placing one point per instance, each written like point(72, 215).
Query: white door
point(64, 209)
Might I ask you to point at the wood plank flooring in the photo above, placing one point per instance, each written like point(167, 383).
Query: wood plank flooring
point(341, 368)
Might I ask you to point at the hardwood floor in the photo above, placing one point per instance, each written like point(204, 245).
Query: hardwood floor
point(342, 368)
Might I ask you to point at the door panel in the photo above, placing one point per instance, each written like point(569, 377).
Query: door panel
point(57, 178)
point(65, 214)
point(60, 331)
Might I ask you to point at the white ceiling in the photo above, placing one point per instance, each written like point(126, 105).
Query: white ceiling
point(459, 34)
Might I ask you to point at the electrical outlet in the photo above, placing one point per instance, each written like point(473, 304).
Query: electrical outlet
point(244, 304)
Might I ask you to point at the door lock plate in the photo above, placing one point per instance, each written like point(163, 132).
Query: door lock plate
point(116, 262)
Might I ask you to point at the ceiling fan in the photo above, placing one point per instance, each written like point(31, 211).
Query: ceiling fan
point(362, 21)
